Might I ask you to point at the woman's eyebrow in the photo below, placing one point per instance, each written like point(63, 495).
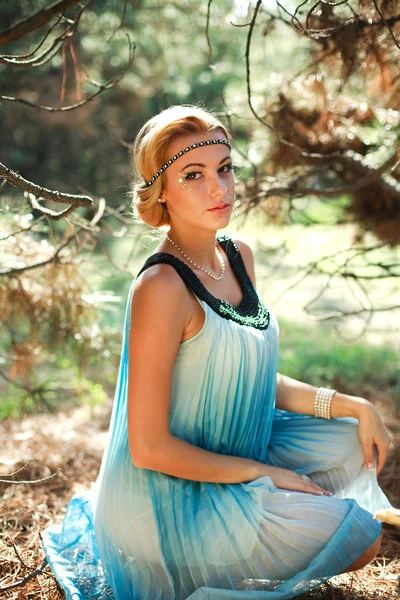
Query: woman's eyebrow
point(201, 164)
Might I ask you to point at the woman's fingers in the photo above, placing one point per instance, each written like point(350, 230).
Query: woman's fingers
point(314, 488)
point(383, 451)
point(373, 432)
point(368, 451)
point(289, 480)
point(383, 448)
point(320, 491)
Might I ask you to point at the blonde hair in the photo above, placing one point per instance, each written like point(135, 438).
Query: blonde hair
point(150, 153)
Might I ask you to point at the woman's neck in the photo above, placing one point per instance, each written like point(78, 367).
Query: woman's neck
point(200, 249)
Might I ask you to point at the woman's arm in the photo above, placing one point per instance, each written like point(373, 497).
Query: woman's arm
point(158, 319)
point(296, 396)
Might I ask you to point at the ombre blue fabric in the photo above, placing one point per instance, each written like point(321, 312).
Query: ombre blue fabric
point(139, 534)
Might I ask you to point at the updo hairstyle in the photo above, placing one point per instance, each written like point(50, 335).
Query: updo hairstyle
point(151, 152)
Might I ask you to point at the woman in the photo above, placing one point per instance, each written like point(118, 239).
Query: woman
point(221, 478)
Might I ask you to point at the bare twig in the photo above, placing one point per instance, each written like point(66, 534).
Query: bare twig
point(327, 32)
point(24, 581)
point(29, 227)
point(41, 192)
point(386, 23)
point(208, 32)
point(369, 175)
point(17, 471)
point(36, 21)
point(27, 480)
point(341, 314)
point(21, 560)
point(109, 84)
point(121, 23)
point(314, 267)
point(18, 58)
point(32, 192)
point(13, 270)
point(250, 101)
point(44, 57)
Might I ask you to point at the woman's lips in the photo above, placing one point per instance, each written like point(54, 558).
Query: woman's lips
point(222, 210)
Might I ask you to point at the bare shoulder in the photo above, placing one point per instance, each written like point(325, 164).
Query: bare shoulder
point(156, 328)
point(159, 301)
point(248, 257)
point(160, 277)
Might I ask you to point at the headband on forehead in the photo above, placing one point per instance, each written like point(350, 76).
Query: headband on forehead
point(179, 154)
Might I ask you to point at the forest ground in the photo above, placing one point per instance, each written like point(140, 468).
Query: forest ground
point(69, 444)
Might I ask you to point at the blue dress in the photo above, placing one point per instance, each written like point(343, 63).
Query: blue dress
point(139, 534)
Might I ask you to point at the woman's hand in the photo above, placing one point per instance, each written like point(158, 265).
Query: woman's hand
point(372, 432)
point(289, 480)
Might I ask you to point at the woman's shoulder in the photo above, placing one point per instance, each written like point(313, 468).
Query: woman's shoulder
point(159, 278)
point(158, 301)
point(242, 244)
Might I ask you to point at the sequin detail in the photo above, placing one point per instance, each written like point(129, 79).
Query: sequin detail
point(251, 311)
point(182, 152)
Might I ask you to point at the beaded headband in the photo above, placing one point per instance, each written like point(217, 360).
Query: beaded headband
point(179, 154)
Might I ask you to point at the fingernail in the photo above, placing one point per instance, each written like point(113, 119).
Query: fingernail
point(370, 466)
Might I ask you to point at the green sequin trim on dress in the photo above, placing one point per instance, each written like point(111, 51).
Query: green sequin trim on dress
point(251, 311)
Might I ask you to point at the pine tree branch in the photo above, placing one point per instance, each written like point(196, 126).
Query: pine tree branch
point(35, 191)
point(35, 21)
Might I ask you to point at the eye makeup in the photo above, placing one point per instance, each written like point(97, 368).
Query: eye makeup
point(182, 180)
point(191, 176)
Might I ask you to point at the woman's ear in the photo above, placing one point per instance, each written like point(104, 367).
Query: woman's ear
point(162, 197)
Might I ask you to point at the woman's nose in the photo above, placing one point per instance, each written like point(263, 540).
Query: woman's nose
point(216, 186)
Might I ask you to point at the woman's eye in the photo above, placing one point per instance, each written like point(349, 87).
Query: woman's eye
point(192, 175)
point(227, 168)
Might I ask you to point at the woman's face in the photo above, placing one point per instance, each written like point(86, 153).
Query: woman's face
point(198, 181)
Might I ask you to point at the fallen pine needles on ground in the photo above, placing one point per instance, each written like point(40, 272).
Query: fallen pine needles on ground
point(51, 457)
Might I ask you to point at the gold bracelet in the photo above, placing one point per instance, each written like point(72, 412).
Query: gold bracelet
point(322, 402)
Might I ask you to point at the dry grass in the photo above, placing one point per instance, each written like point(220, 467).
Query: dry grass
point(70, 445)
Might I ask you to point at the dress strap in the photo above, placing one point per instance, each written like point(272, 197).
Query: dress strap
point(251, 311)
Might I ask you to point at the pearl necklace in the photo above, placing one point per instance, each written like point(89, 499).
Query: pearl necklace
point(221, 260)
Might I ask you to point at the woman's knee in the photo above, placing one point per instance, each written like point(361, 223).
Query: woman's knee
point(366, 557)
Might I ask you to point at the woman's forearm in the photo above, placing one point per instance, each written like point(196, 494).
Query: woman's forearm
point(296, 396)
point(179, 458)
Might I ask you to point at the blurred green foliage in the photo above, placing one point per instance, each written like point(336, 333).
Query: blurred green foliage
point(318, 356)
point(314, 355)
point(85, 151)
point(83, 148)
